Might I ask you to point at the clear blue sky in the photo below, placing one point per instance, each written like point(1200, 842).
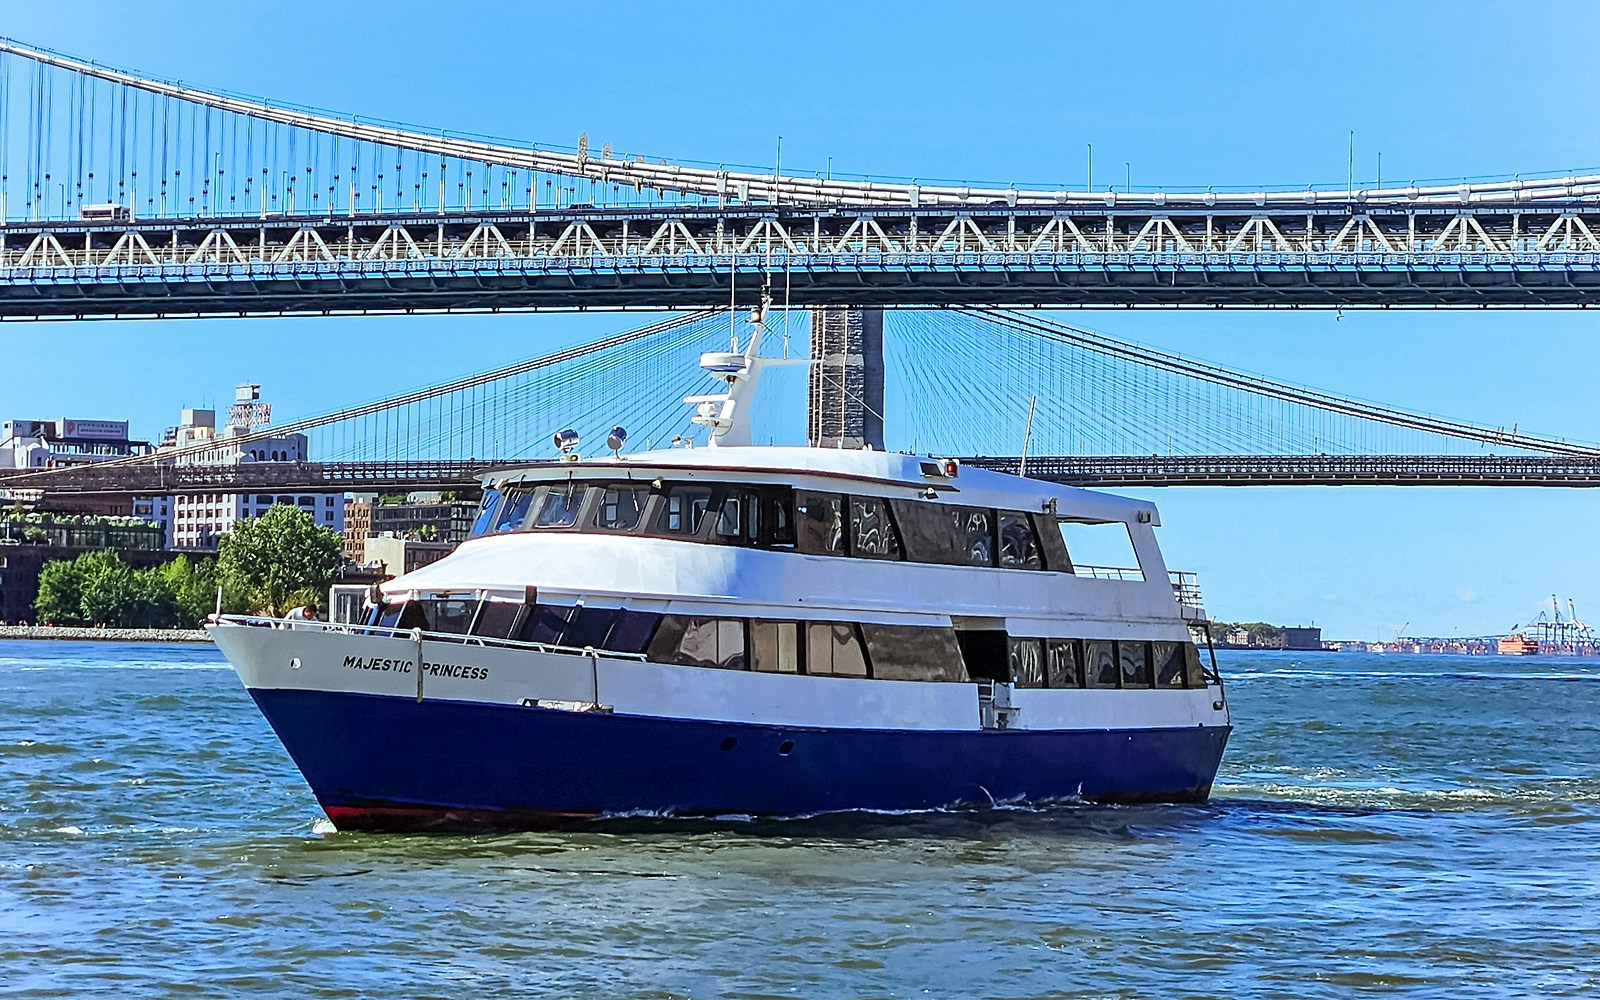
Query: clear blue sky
point(1189, 95)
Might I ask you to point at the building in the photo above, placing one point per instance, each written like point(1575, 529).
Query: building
point(357, 526)
point(433, 517)
point(65, 442)
point(1302, 637)
point(402, 555)
point(199, 521)
point(26, 544)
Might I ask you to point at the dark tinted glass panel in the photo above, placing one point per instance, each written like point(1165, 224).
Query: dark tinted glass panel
point(1051, 546)
point(664, 644)
point(819, 522)
point(914, 653)
point(1027, 663)
point(632, 632)
point(389, 617)
point(872, 534)
point(684, 509)
point(621, 507)
point(453, 616)
point(486, 512)
point(589, 628)
point(779, 516)
point(700, 642)
point(497, 619)
point(1100, 663)
point(544, 623)
point(1192, 669)
point(513, 511)
point(928, 531)
point(1018, 547)
point(775, 647)
point(1169, 663)
point(1135, 660)
point(976, 531)
point(558, 507)
point(1061, 664)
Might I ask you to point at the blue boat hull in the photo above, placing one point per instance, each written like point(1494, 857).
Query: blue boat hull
point(384, 763)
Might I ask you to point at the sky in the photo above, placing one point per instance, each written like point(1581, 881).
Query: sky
point(1184, 95)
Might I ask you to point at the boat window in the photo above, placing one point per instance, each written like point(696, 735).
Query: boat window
point(621, 507)
point(1101, 549)
point(1027, 663)
point(588, 628)
point(928, 531)
point(390, 615)
point(775, 647)
point(514, 510)
point(833, 649)
point(485, 512)
point(700, 642)
point(739, 518)
point(914, 653)
point(1100, 663)
point(1062, 666)
point(1051, 546)
point(451, 615)
point(975, 528)
point(558, 506)
point(545, 623)
point(1194, 673)
point(778, 510)
point(1169, 665)
point(985, 654)
point(498, 619)
point(1135, 661)
point(819, 523)
point(1018, 547)
point(872, 534)
point(632, 632)
point(685, 509)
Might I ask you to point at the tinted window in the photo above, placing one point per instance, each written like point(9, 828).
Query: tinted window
point(1062, 668)
point(684, 509)
point(700, 642)
point(914, 653)
point(834, 650)
point(544, 623)
point(871, 532)
point(621, 507)
point(1195, 673)
point(589, 627)
point(453, 616)
point(1100, 663)
point(975, 528)
point(778, 510)
point(632, 632)
point(739, 518)
point(1135, 662)
point(775, 647)
point(1169, 663)
point(1018, 547)
point(1027, 663)
point(497, 619)
point(819, 522)
point(928, 531)
point(558, 507)
point(513, 511)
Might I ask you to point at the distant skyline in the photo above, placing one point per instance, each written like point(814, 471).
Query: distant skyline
point(1177, 95)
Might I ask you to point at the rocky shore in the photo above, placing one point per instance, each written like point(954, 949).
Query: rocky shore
point(103, 634)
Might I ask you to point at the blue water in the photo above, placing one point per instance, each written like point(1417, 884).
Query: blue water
point(1383, 825)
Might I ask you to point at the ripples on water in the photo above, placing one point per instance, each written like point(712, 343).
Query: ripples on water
point(1423, 826)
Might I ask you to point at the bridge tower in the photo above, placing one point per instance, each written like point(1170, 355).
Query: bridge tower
point(846, 384)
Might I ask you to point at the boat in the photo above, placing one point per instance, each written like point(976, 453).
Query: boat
point(1516, 644)
point(748, 630)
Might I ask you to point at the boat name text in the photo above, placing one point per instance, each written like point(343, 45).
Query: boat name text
point(386, 664)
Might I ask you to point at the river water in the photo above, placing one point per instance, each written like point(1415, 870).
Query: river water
point(1383, 825)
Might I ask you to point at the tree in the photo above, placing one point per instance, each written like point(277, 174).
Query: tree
point(274, 556)
point(60, 599)
point(194, 590)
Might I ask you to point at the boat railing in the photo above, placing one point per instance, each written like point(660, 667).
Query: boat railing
point(1186, 588)
point(311, 625)
point(1129, 573)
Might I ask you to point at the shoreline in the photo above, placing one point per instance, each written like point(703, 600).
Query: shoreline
point(77, 634)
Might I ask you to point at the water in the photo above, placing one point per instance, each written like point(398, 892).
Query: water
point(1413, 826)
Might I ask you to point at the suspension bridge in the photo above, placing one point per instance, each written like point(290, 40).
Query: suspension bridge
point(123, 195)
point(1071, 405)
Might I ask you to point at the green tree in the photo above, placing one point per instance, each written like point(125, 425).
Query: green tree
point(108, 588)
point(282, 553)
point(60, 597)
point(194, 589)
